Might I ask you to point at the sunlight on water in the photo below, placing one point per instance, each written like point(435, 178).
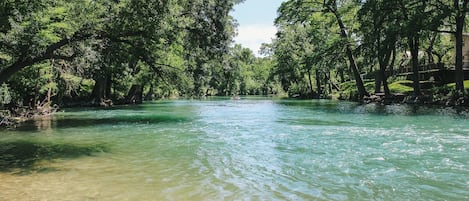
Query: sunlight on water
point(249, 149)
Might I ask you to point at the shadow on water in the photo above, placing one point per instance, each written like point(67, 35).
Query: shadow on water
point(329, 106)
point(131, 119)
point(314, 122)
point(90, 121)
point(22, 156)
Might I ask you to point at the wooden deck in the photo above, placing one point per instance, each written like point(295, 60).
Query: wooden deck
point(432, 72)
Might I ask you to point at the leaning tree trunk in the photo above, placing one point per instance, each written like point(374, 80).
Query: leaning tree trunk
point(353, 65)
point(393, 61)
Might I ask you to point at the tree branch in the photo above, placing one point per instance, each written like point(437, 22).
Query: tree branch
point(47, 53)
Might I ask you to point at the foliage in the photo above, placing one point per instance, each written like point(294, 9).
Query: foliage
point(91, 51)
point(376, 35)
point(466, 85)
point(5, 96)
point(77, 51)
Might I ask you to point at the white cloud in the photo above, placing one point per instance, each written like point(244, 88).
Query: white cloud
point(252, 36)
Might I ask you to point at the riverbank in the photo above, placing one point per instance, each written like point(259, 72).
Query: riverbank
point(446, 101)
point(13, 116)
point(402, 93)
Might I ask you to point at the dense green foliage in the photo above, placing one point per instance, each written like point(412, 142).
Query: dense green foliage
point(100, 52)
point(323, 45)
point(80, 51)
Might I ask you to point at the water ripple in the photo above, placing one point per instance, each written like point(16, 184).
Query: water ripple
point(254, 149)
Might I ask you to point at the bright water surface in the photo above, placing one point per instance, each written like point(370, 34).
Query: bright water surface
point(249, 149)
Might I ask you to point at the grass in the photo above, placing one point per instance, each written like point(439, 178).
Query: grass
point(350, 85)
point(466, 84)
point(401, 86)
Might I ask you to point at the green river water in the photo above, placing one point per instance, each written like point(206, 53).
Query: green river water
point(248, 149)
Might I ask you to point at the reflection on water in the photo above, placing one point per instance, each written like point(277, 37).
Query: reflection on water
point(249, 149)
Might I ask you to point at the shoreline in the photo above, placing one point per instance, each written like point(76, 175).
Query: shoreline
point(22, 114)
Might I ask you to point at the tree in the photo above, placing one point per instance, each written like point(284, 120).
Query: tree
point(462, 9)
point(301, 10)
point(43, 34)
point(418, 17)
point(121, 41)
point(457, 11)
point(208, 37)
point(379, 25)
point(289, 55)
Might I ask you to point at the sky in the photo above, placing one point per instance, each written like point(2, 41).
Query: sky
point(256, 22)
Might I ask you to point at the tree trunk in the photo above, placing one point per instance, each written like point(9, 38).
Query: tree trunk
point(49, 90)
point(329, 79)
point(318, 82)
point(429, 50)
point(378, 80)
point(384, 80)
point(459, 73)
point(135, 95)
point(108, 86)
point(14, 68)
point(393, 61)
point(341, 75)
point(99, 90)
point(353, 65)
point(150, 95)
point(47, 53)
point(384, 58)
point(413, 42)
point(310, 84)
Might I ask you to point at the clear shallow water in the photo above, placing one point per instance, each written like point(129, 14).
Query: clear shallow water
point(251, 149)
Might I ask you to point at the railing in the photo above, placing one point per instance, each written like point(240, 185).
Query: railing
point(422, 68)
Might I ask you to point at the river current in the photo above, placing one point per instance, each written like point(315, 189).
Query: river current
point(248, 149)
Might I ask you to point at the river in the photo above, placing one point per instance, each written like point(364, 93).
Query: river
point(248, 149)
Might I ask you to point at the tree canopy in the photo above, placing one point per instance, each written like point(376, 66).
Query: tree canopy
point(123, 50)
point(127, 51)
point(377, 40)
